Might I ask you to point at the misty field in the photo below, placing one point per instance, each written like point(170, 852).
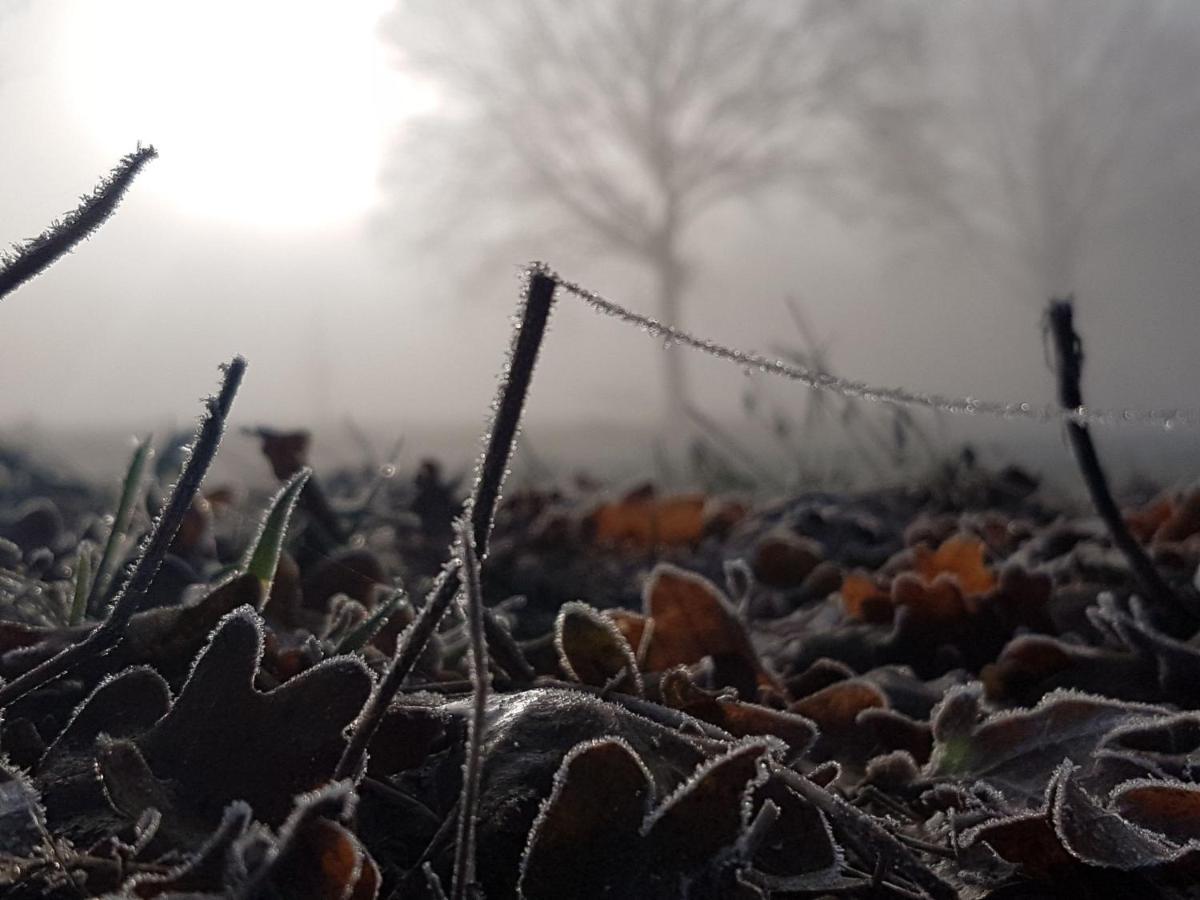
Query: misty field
point(368, 685)
point(713, 622)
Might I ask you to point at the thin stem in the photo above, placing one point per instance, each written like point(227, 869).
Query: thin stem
point(865, 833)
point(514, 387)
point(112, 629)
point(468, 806)
point(37, 254)
point(1069, 352)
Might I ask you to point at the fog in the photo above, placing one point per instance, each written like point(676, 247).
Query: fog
point(347, 193)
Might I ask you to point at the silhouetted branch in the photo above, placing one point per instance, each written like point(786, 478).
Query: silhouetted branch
point(110, 632)
point(36, 254)
point(1069, 353)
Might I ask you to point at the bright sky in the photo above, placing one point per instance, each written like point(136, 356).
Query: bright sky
point(270, 113)
point(250, 235)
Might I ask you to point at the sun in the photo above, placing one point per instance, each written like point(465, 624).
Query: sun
point(269, 114)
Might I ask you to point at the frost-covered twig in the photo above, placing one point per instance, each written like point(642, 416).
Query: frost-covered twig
point(514, 387)
point(468, 805)
point(29, 258)
point(1069, 352)
point(110, 632)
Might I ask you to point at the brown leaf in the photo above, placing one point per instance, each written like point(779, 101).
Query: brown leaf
point(864, 600)
point(286, 451)
point(938, 601)
point(783, 559)
point(1170, 808)
point(707, 813)
point(735, 716)
point(648, 522)
point(586, 831)
point(1017, 752)
point(1097, 836)
point(1184, 520)
point(592, 650)
point(1144, 521)
point(692, 620)
point(959, 556)
point(835, 708)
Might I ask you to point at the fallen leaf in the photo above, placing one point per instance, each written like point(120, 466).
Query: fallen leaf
point(647, 521)
point(592, 650)
point(959, 556)
point(586, 831)
point(1018, 752)
point(692, 620)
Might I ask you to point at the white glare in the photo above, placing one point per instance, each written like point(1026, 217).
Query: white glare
point(266, 113)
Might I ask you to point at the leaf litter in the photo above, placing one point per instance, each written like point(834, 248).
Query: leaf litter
point(905, 692)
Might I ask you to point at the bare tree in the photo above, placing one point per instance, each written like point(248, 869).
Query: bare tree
point(1072, 113)
point(624, 123)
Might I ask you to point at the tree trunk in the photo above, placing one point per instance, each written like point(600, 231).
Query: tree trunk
point(676, 397)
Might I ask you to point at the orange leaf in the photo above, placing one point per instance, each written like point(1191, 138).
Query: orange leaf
point(692, 620)
point(936, 601)
point(864, 600)
point(648, 522)
point(960, 556)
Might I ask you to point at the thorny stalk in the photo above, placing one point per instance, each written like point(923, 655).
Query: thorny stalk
point(35, 255)
point(1069, 352)
point(110, 632)
point(468, 806)
point(514, 387)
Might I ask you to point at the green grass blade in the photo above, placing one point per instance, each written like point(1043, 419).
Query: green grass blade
point(83, 576)
point(263, 555)
point(130, 490)
point(356, 639)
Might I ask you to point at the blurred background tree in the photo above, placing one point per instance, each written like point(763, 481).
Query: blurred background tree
point(618, 127)
point(1061, 118)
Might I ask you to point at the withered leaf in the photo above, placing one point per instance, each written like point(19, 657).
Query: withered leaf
point(1097, 836)
point(286, 451)
point(864, 600)
point(123, 706)
point(692, 620)
point(799, 852)
point(938, 600)
point(835, 708)
point(207, 869)
point(960, 556)
point(783, 559)
point(223, 740)
point(592, 650)
point(1017, 752)
point(1170, 808)
point(705, 815)
point(649, 521)
point(586, 831)
point(737, 717)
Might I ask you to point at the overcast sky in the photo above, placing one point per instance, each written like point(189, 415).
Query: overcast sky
point(253, 234)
